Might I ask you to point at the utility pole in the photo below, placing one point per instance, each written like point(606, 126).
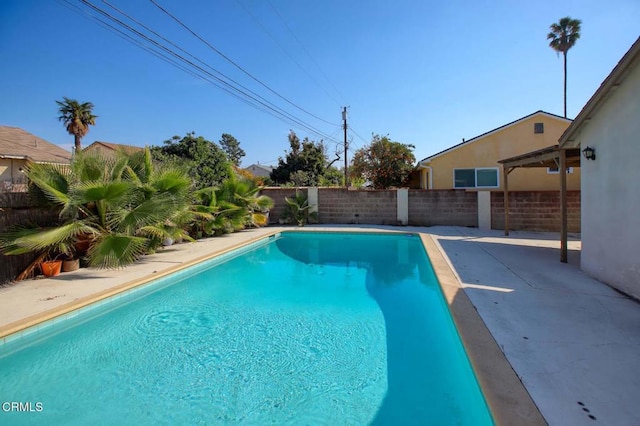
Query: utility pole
point(344, 120)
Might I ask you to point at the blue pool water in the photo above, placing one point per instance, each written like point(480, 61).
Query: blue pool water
point(301, 329)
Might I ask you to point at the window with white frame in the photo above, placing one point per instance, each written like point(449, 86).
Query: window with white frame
point(555, 170)
point(480, 177)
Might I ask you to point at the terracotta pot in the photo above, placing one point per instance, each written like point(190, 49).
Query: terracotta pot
point(82, 246)
point(51, 268)
point(70, 265)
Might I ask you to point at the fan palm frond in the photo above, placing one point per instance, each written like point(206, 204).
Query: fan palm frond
point(116, 250)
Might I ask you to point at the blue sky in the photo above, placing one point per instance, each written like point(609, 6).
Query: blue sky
point(427, 73)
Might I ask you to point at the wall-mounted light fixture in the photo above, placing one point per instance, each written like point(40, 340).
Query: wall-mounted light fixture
point(589, 153)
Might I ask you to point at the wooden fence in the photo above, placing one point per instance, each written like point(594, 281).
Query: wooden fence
point(19, 210)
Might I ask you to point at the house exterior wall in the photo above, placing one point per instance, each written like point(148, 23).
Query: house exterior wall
point(10, 174)
point(513, 140)
point(610, 194)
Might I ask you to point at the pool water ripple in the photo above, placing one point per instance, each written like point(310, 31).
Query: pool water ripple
point(286, 334)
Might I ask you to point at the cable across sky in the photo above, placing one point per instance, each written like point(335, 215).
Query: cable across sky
point(163, 47)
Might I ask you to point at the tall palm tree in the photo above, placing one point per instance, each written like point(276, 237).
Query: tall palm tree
point(563, 36)
point(77, 117)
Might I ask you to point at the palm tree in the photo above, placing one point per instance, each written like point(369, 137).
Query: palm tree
point(77, 117)
point(563, 36)
point(123, 206)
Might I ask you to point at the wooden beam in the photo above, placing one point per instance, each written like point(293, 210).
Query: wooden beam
point(505, 174)
point(526, 160)
point(563, 206)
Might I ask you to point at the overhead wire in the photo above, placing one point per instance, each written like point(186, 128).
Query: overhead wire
point(358, 135)
point(126, 36)
point(234, 91)
point(247, 73)
point(219, 80)
point(304, 49)
point(285, 51)
point(188, 54)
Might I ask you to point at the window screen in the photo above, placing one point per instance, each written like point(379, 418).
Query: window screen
point(464, 178)
point(487, 177)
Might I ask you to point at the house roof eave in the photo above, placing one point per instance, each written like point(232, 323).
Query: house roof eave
point(569, 138)
point(490, 132)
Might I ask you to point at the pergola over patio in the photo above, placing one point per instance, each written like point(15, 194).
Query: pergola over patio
point(552, 156)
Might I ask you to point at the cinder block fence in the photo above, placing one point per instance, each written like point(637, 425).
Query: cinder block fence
point(529, 210)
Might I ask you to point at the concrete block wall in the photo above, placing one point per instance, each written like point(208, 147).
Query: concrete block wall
point(535, 210)
point(529, 210)
point(443, 207)
point(339, 205)
point(278, 195)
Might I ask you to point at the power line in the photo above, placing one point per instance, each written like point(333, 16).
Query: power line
point(186, 27)
point(358, 135)
point(304, 48)
point(237, 93)
point(284, 50)
point(126, 36)
point(169, 51)
point(190, 55)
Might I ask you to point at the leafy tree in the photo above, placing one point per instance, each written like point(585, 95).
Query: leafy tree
point(304, 164)
point(384, 163)
point(563, 36)
point(332, 177)
point(76, 117)
point(231, 146)
point(206, 161)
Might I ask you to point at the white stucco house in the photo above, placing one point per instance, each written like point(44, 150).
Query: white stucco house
point(609, 127)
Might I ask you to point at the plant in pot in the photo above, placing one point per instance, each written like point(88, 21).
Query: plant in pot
point(52, 267)
point(70, 262)
point(51, 246)
point(60, 257)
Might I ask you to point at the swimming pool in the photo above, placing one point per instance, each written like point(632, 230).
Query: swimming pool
point(303, 328)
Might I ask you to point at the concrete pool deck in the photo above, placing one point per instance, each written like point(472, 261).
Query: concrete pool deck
point(573, 341)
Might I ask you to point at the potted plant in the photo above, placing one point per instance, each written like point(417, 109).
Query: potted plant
point(50, 251)
point(51, 268)
point(70, 263)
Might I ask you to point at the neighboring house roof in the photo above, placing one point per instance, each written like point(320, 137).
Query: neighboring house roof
point(628, 62)
point(113, 147)
point(490, 132)
point(265, 169)
point(19, 144)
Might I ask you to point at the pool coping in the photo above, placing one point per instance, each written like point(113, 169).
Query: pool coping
point(506, 396)
point(508, 399)
point(39, 318)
